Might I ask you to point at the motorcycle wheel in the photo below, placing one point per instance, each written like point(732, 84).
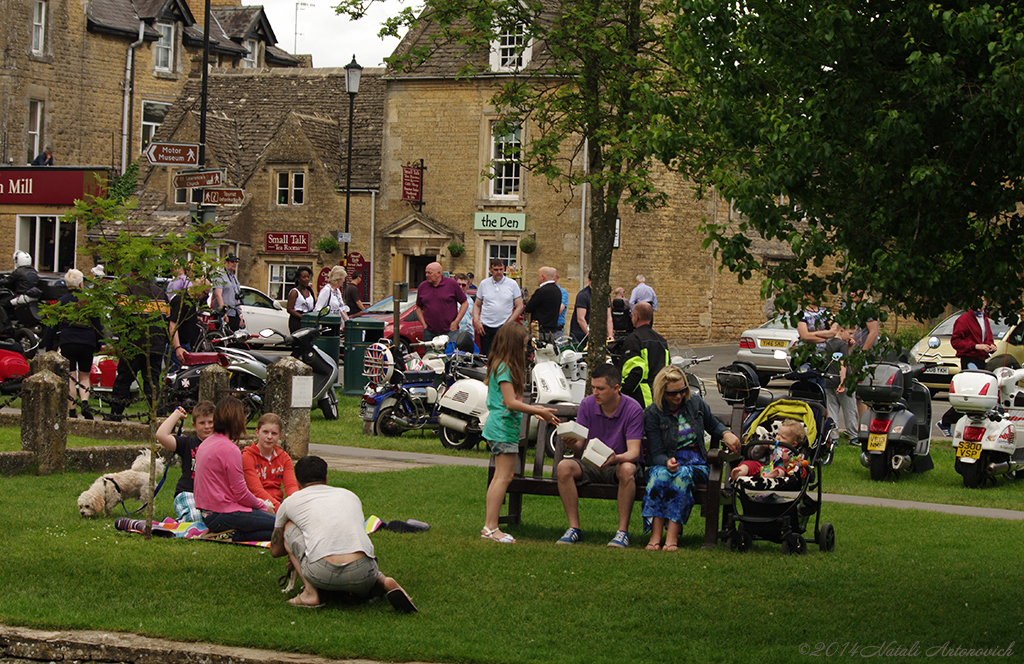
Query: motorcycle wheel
point(973, 473)
point(385, 424)
point(827, 538)
point(453, 440)
point(880, 465)
point(329, 406)
point(28, 341)
point(549, 444)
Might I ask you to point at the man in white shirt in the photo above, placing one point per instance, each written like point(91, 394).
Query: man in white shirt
point(322, 531)
point(498, 301)
point(643, 293)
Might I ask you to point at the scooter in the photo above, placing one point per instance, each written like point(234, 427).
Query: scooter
point(556, 377)
point(462, 407)
point(989, 438)
point(399, 399)
point(895, 431)
point(248, 373)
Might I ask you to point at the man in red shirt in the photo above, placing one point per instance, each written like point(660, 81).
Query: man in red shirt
point(440, 303)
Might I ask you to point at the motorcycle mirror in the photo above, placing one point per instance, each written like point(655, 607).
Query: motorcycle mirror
point(780, 354)
point(933, 342)
point(439, 341)
point(837, 357)
point(323, 312)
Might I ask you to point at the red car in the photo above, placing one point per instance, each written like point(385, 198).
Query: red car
point(410, 330)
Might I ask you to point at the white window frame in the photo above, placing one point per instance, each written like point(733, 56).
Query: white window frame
point(164, 46)
point(149, 127)
point(39, 11)
point(189, 195)
point(507, 252)
point(507, 180)
point(511, 49)
point(28, 232)
point(293, 188)
point(36, 115)
point(278, 280)
point(251, 59)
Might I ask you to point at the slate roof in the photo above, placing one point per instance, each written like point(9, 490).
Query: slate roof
point(279, 58)
point(244, 22)
point(121, 17)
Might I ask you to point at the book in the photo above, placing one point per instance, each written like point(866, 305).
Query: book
point(597, 453)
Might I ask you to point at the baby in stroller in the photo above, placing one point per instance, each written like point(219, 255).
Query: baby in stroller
point(775, 461)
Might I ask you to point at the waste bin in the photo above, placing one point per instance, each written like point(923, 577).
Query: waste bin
point(360, 333)
point(329, 340)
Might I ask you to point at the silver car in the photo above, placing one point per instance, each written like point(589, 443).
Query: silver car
point(759, 344)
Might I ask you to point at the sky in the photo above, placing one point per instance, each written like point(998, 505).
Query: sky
point(331, 38)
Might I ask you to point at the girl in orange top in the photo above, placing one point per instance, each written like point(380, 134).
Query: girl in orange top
point(267, 468)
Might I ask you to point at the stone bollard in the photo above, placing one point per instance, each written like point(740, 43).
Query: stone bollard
point(289, 394)
point(51, 361)
point(214, 383)
point(44, 419)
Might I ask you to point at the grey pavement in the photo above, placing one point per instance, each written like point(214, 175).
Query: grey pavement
point(365, 460)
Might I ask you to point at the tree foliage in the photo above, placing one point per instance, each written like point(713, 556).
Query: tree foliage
point(886, 135)
point(582, 92)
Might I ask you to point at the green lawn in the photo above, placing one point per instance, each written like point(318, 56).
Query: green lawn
point(896, 577)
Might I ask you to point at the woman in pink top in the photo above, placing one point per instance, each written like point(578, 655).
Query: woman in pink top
point(221, 495)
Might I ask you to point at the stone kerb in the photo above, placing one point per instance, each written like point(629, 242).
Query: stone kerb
point(287, 397)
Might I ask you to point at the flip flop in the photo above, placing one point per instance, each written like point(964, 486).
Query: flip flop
point(653, 547)
point(400, 600)
point(295, 601)
point(670, 547)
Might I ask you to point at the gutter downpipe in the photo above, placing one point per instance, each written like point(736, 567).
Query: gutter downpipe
point(129, 95)
point(373, 235)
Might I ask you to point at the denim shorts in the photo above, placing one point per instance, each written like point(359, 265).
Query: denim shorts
point(498, 447)
point(357, 577)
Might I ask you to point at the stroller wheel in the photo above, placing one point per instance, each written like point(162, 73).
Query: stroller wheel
point(794, 543)
point(740, 541)
point(827, 538)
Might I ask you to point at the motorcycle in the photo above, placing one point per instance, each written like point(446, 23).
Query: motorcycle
point(895, 432)
point(988, 439)
point(22, 322)
point(555, 377)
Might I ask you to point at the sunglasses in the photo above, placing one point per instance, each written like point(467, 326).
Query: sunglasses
point(676, 393)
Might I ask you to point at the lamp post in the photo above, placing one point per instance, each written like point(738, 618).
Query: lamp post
point(353, 71)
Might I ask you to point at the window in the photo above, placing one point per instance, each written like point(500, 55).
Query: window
point(506, 251)
point(50, 241)
point(291, 188)
point(164, 49)
point(249, 60)
point(35, 129)
point(505, 150)
point(185, 196)
point(153, 113)
point(39, 27)
point(282, 279)
point(511, 49)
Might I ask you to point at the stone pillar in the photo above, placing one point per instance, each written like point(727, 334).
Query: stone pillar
point(44, 419)
point(51, 361)
point(214, 383)
point(289, 394)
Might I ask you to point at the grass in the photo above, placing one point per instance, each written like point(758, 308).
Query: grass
point(897, 576)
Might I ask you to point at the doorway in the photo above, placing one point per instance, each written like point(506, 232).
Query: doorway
point(416, 269)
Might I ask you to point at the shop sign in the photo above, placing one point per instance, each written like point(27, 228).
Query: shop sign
point(412, 183)
point(287, 243)
point(49, 185)
point(356, 263)
point(504, 221)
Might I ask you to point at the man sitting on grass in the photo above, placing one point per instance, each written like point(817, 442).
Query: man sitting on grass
point(322, 531)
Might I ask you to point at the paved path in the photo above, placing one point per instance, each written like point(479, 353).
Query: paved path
point(365, 460)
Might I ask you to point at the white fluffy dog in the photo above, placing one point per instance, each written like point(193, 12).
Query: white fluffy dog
point(110, 489)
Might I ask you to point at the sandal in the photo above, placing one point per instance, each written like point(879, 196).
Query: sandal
point(652, 546)
point(493, 535)
point(295, 601)
point(670, 547)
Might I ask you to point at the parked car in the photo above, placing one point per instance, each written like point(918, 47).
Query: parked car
point(261, 312)
point(758, 346)
point(941, 363)
point(410, 330)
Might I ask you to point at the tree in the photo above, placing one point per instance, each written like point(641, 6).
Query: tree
point(581, 90)
point(886, 136)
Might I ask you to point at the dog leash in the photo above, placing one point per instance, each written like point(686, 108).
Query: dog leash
point(167, 467)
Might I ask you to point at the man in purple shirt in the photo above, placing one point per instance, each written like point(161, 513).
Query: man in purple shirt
point(438, 301)
point(618, 421)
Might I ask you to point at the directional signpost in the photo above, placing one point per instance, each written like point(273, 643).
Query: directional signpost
point(173, 154)
point(226, 196)
point(198, 179)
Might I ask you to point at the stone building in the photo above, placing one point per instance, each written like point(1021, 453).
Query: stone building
point(95, 79)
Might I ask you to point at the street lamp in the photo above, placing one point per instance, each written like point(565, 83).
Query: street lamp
point(353, 71)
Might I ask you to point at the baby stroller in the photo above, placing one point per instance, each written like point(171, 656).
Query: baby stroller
point(778, 510)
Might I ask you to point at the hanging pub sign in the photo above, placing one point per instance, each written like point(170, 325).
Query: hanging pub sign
point(412, 184)
point(287, 243)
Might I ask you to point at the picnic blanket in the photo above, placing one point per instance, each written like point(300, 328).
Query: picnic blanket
point(169, 528)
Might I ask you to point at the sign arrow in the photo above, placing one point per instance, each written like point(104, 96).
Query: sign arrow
point(173, 154)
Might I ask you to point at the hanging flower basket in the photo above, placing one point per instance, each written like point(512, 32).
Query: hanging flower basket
point(528, 245)
point(456, 249)
point(328, 245)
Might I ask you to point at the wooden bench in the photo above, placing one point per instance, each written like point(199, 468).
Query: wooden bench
point(535, 483)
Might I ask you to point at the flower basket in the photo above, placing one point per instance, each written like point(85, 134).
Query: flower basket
point(328, 245)
point(456, 249)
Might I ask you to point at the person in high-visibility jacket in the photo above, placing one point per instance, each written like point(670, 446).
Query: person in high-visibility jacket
point(644, 353)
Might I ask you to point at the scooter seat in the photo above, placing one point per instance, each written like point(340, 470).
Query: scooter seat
point(264, 359)
point(420, 377)
point(194, 359)
point(476, 373)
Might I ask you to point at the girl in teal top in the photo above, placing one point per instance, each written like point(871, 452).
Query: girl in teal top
point(506, 373)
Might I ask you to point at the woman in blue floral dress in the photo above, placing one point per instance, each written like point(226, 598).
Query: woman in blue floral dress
point(674, 425)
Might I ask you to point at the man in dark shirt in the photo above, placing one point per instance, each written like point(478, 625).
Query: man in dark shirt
point(183, 320)
point(579, 324)
point(644, 354)
point(440, 303)
point(354, 293)
point(546, 302)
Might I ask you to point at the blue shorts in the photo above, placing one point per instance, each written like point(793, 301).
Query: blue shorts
point(500, 447)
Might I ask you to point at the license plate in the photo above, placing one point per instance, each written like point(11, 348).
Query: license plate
point(876, 442)
point(937, 369)
point(969, 450)
point(773, 343)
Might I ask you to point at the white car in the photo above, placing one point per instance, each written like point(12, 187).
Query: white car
point(261, 312)
point(759, 344)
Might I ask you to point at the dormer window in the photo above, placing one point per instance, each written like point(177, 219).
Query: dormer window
point(163, 51)
point(511, 49)
point(250, 61)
